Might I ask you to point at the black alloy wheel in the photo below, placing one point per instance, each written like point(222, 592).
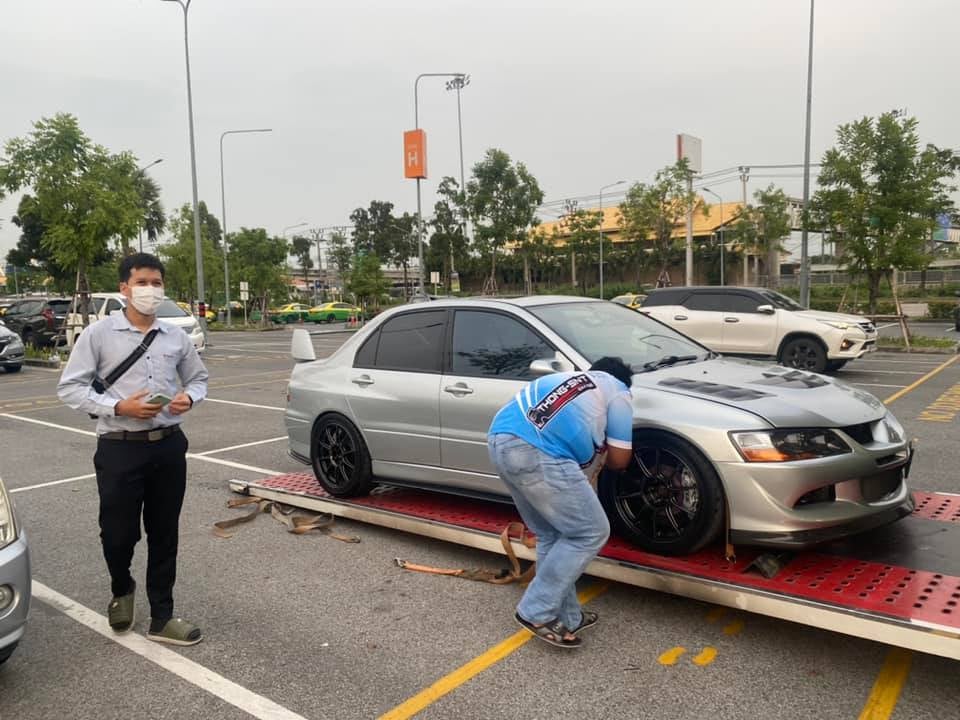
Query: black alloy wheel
point(804, 353)
point(340, 459)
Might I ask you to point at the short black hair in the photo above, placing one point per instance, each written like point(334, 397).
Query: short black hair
point(137, 261)
point(614, 366)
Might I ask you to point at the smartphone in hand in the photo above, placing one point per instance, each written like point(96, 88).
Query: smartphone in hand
point(159, 399)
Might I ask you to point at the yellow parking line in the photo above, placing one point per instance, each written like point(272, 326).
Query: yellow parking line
point(886, 690)
point(900, 393)
point(462, 674)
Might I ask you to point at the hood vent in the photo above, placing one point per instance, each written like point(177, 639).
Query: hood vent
point(701, 387)
point(792, 379)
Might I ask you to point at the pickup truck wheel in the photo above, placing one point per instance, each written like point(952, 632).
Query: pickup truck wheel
point(13, 368)
point(804, 353)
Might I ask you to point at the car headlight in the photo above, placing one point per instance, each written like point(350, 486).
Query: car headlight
point(8, 529)
point(838, 324)
point(788, 445)
point(891, 428)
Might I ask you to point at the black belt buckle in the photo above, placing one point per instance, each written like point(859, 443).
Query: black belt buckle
point(158, 434)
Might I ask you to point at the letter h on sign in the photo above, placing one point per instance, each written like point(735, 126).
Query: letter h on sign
point(415, 154)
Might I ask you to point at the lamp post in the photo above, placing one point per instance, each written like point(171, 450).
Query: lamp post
point(708, 190)
point(605, 187)
point(223, 217)
point(140, 172)
point(198, 246)
point(804, 238)
point(416, 124)
point(458, 83)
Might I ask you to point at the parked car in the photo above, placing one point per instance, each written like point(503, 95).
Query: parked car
point(104, 304)
point(757, 322)
point(11, 350)
point(5, 303)
point(289, 313)
point(14, 578)
point(38, 320)
point(333, 312)
point(630, 300)
point(797, 458)
point(209, 312)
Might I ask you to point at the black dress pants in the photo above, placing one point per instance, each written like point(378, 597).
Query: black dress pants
point(137, 478)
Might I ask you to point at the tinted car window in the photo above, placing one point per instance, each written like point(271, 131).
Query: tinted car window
point(665, 297)
point(412, 341)
point(367, 354)
point(113, 305)
point(169, 309)
point(722, 302)
point(493, 345)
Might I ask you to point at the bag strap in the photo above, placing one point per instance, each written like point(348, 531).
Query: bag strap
point(120, 369)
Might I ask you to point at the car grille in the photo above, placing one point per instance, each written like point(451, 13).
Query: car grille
point(820, 495)
point(868, 327)
point(877, 487)
point(860, 433)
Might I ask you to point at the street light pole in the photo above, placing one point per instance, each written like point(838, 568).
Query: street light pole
point(708, 190)
point(140, 173)
point(804, 238)
point(198, 245)
point(458, 83)
point(605, 187)
point(223, 217)
point(416, 125)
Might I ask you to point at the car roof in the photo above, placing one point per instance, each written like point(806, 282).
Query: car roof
point(711, 288)
point(492, 301)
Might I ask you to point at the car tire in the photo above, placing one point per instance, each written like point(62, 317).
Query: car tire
point(803, 353)
point(6, 652)
point(835, 364)
point(669, 501)
point(331, 318)
point(340, 459)
point(28, 337)
point(13, 368)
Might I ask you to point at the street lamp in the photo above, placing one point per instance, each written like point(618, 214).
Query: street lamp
point(198, 247)
point(458, 83)
point(140, 172)
point(416, 125)
point(223, 216)
point(708, 190)
point(804, 237)
point(605, 187)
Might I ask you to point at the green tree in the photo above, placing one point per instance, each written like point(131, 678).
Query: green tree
point(84, 196)
point(501, 200)
point(260, 260)
point(761, 228)
point(340, 255)
point(581, 229)
point(153, 221)
point(300, 248)
point(367, 281)
point(179, 255)
point(448, 243)
point(883, 192)
point(373, 229)
point(651, 213)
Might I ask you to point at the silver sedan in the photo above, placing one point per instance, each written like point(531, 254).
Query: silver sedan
point(796, 458)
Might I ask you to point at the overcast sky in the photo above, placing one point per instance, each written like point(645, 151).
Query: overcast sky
point(584, 93)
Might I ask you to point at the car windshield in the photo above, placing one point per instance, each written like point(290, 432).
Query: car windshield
point(169, 309)
point(599, 329)
point(780, 301)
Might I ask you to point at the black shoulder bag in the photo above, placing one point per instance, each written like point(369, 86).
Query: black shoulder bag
point(101, 386)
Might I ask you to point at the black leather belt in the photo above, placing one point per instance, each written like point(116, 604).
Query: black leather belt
point(142, 435)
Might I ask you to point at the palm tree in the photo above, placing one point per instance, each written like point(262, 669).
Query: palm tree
point(153, 221)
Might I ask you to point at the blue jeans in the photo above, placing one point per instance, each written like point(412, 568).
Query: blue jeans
point(557, 503)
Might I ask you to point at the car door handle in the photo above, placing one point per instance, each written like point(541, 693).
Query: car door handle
point(731, 319)
point(679, 317)
point(363, 380)
point(458, 389)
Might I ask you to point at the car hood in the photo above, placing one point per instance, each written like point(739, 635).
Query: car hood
point(832, 316)
point(6, 332)
point(782, 396)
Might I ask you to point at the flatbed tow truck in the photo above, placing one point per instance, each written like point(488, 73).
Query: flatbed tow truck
point(899, 584)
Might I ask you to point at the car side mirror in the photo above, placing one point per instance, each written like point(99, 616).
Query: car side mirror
point(548, 366)
point(766, 309)
point(301, 347)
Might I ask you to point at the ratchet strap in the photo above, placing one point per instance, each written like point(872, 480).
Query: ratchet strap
point(296, 524)
point(513, 574)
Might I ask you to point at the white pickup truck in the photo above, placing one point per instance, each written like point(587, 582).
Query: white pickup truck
point(106, 303)
point(763, 323)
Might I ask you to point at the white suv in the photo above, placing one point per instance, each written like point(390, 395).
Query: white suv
point(105, 304)
point(761, 322)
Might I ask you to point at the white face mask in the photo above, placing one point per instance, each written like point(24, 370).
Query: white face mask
point(146, 298)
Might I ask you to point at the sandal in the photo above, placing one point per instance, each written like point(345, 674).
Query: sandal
point(121, 612)
point(177, 632)
point(588, 619)
point(552, 632)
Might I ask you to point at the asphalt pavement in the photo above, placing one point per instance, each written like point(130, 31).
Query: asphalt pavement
point(306, 626)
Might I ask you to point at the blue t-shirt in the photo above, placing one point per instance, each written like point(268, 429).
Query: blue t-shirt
point(570, 415)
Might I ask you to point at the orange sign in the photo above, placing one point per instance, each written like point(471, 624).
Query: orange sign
point(415, 154)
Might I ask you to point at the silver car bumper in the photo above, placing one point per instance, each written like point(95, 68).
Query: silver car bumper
point(15, 575)
point(811, 501)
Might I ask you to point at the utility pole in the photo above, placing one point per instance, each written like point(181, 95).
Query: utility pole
point(689, 257)
point(804, 238)
point(744, 176)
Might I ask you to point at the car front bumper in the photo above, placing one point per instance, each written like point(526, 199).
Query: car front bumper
point(11, 355)
point(198, 340)
point(15, 574)
point(851, 345)
point(807, 502)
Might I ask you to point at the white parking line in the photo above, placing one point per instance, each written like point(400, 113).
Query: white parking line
point(245, 445)
point(243, 404)
point(188, 670)
point(54, 482)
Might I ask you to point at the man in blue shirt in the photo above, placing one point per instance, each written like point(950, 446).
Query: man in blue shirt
point(141, 461)
point(558, 431)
